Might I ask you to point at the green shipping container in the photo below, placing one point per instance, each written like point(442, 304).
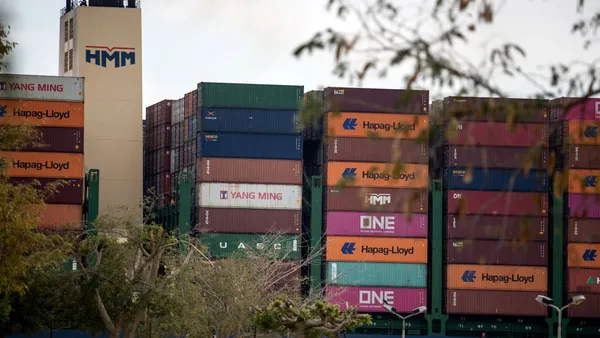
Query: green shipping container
point(377, 274)
point(221, 245)
point(242, 95)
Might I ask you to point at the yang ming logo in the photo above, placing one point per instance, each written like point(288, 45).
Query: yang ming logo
point(118, 56)
point(223, 194)
point(2, 111)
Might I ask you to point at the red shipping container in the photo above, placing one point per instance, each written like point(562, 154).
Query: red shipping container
point(254, 221)
point(57, 140)
point(61, 216)
point(497, 109)
point(497, 157)
point(70, 192)
point(498, 134)
point(247, 170)
point(583, 280)
point(375, 150)
point(497, 227)
point(167, 135)
point(377, 199)
point(471, 202)
point(590, 308)
point(584, 231)
point(488, 302)
point(488, 252)
point(370, 299)
point(581, 156)
point(377, 100)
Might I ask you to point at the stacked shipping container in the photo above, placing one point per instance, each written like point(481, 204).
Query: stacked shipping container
point(496, 205)
point(183, 137)
point(157, 151)
point(54, 106)
point(575, 125)
point(376, 227)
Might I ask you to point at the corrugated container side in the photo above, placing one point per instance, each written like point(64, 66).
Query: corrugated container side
point(382, 175)
point(237, 170)
point(377, 274)
point(376, 249)
point(377, 100)
point(403, 126)
point(588, 309)
point(581, 156)
point(268, 121)
point(499, 134)
point(583, 255)
point(496, 109)
point(585, 110)
point(370, 299)
point(497, 157)
point(61, 216)
point(584, 206)
point(226, 245)
point(584, 181)
point(502, 303)
point(69, 192)
point(376, 224)
point(58, 140)
point(39, 87)
point(463, 178)
point(579, 132)
point(249, 196)
point(497, 203)
point(376, 150)
point(467, 251)
point(253, 221)
point(377, 200)
point(43, 165)
point(497, 227)
point(41, 113)
point(584, 230)
point(264, 146)
point(583, 280)
point(243, 95)
point(496, 277)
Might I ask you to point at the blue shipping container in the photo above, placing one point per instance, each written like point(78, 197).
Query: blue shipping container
point(497, 179)
point(264, 121)
point(283, 147)
point(377, 274)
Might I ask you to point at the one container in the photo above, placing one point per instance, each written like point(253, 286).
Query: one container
point(581, 156)
point(253, 221)
point(498, 134)
point(584, 231)
point(226, 245)
point(241, 170)
point(496, 277)
point(466, 251)
point(377, 274)
point(502, 303)
point(377, 100)
point(583, 255)
point(461, 178)
point(381, 175)
point(41, 113)
point(496, 109)
point(69, 192)
point(286, 147)
point(345, 223)
point(43, 165)
point(584, 205)
point(584, 181)
point(39, 87)
point(249, 196)
point(243, 95)
point(263, 121)
point(376, 249)
point(586, 109)
point(583, 280)
point(580, 132)
point(376, 150)
point(371, 299)
point(377, 199)
point(403, 126)
point(61, 216)
point(510, 228)
point(590, 308)
point(58, 140)
point(497, 157)
point(472, 202)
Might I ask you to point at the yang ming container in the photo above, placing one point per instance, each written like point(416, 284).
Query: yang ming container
point(497, 157)
point(467, 251)
point(285, 147)
point(377, 199)
point(586, 110)
point(264, 121)
point(383, 125)
point(376, 224)
point(584, 231)
point(61, 216)
point(583, 280)
point(584, 206)
point(511, 228)
point(377, 100)
point(226, 245)
point(371, 299)
point(249, 196)
point(497, 203)
point(241, 170)
point(503, 303)
point(496, 109)
point(496, 277)
point(376, 249)
point(581, 157)
point(44, 165)
point(244, 95)
point(376, 150)
point(253, 221)
point(42, 113)
point(380, 175)
point(377, 274)
point(590, 308)
point(497, 179)
point(58, 140)
point(583, 255)
point(498, 134)
point(38, 87)
point(69, 192)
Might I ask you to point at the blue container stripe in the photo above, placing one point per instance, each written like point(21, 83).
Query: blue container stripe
point(264, 121)
point(284, 147)
point(498, 180)
point(377, 274)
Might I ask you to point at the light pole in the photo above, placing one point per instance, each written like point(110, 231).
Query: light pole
point(414, 312)
point(547, 301)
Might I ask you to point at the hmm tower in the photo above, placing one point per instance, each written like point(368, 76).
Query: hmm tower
point(101, 40)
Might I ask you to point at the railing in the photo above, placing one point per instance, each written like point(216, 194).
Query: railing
point(79, 3)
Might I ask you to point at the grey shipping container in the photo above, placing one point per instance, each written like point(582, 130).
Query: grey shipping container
point(375, 150)
point(246, 170)
point(39, 87)
point(584, 231)
point(252, 221)
point(497, 157)
point(492, 302)
point(497, 227)
point(377, 100)
point(377, 199)
point(490, 252)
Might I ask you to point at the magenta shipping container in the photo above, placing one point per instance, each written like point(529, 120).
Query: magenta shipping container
point(498, 227)
point(498, 203)
point(340, 223)
point(370, 299)
point(584, 206)
point(589, 109)
point(498, 134)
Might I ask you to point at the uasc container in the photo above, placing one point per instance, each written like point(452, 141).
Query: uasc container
point(497, 157)
point(383, 125)
point(43, 165)
point(249, 196)
point(377, 100)
point(376, 249)
point(498, 134)
point(512, 228)
point(239, 170)
point(253, 221)
point(346, 223)
point(496, 277)
point(243, 95)
point(57, 139)
point(377, 274)
point(39, 87)
point(462, 178)
point(381, 175)
point(41, 113)
point(377, 199)
point(583, 255)
point(70, 191)
point(226, 245)
point(467, 251)
point(267, 121)
point(376, 150)
point(371, 299)
point(287, 147)
point(469, 202)
point(61, 216)
point(584, 230)
point(503, 303)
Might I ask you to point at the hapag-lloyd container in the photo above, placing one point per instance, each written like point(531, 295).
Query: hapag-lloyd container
point(42, 113)
point(340, 223)
point(498, 134)
point(590, 308)
point(497, 227)
point(376, 150)
point(497, 157)
point(583, 255)
point(253, 221)
point(249, 196)
point(583, 280)
point(491, 252)
point(377, 199)
point(589, 109)
point(497, 203)
point(69, 192)
point(584, 206)
point(583, 181)
point(61, 216)
point(496, 277)
point(403, 126)
point(381, 175)
point(242, 170)
point(503, 303)
point(579, 132)
point(225, 245)
point(266, 121)
point(39, 87)
point(584, 230)
point(377, 274)
point(370, 299)
point(285, 147)
point(581, 157)
point(496, 179)
point(376, 249)
point(377, 100)
point(57, 139)
point(43, 165)
point(496, 109)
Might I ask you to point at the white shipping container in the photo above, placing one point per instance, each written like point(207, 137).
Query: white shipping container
point(249, 196)
point(38, 87)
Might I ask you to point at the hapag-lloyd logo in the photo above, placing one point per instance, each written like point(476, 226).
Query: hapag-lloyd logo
point(237, 195)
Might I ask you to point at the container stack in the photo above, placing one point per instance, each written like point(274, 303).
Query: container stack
point(496, 202)
point(54, 105)
point(249, 159)
point(576, 126)
point(376, 226)
point(157, 151)
point(190, 104)
point(177, 140)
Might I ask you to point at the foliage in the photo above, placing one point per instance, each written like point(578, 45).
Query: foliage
point(5, 46)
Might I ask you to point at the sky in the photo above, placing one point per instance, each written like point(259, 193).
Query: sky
point(189, 41)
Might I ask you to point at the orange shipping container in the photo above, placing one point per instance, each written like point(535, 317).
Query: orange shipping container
point(584, 181)
point(583, 255)
point(376, 249)
point(61, 216)
point(41, 113)
point(497, 277)
point(378, 175)
point(581, 132)
point(382, 125)
point(43, 165)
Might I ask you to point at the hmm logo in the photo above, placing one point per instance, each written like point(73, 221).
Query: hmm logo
point(118, 56)
point(379, 199)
